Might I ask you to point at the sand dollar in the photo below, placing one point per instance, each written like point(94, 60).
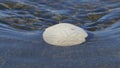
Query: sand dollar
point(64, 34)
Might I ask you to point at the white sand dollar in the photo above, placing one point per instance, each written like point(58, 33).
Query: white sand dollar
point(64, 34)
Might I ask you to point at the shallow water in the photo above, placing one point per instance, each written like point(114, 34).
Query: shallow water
point(23, 22)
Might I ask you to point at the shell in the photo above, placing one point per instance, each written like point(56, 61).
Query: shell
point(64, 34)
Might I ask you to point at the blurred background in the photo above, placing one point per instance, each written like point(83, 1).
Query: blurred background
point(39, 14)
